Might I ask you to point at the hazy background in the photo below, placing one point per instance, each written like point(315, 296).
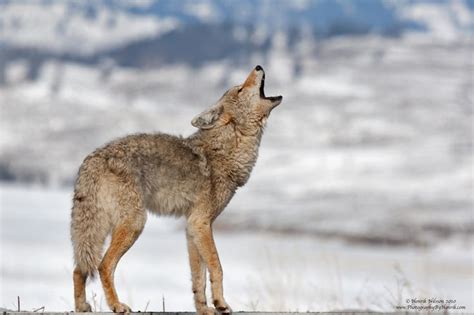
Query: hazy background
point(362, 196)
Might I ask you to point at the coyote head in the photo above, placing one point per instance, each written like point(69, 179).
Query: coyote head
point(244, 105)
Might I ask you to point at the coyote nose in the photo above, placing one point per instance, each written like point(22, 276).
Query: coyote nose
point(258, 68)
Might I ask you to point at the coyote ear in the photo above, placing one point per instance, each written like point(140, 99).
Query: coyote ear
point(208, 118)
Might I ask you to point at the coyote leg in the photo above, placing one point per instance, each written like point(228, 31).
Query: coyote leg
point(80, 291)
point(123, 238)
point(201, 235)
point(198, 275)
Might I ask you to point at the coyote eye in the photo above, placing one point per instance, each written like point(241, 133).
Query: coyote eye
point(240, 90)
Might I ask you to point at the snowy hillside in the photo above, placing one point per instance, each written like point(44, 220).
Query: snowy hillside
point(84, 28)
point(371, 144)
point(74, 27)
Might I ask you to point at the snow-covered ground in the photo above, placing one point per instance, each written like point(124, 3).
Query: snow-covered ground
point(263, 271)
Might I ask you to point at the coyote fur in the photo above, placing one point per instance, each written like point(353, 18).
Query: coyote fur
point(194, 177)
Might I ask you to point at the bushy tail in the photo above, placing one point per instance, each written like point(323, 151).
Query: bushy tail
point(87, 230)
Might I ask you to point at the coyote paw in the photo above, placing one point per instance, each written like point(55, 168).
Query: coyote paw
point(222, 307)
point(84, 308)
point(224, 310)
point(207, 311)
point(121, 308)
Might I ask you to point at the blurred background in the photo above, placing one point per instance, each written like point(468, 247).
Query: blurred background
point(362, 196)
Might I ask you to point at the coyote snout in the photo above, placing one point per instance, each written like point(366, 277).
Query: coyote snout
point(194, 177)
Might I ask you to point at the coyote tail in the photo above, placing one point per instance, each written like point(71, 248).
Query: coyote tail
point(87, 232)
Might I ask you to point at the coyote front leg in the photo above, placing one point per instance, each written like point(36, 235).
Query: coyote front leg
point(198, 276)
point(200, 233)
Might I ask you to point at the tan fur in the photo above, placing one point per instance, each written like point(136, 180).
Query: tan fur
point(250, 81)
point(193, 177)
point(80, 291)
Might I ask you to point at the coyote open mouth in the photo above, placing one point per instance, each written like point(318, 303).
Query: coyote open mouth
point(262, 87)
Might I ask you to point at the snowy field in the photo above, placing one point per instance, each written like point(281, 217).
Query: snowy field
point(263, 271)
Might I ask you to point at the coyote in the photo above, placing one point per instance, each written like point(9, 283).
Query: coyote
point(194, 177)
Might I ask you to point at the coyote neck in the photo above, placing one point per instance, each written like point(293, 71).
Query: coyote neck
point(237, 164)
point(229, 153)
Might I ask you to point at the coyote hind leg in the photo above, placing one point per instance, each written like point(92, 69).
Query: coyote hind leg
point(80, 291)
point(123, 237)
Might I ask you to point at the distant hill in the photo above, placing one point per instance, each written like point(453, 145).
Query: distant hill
point(150, 33)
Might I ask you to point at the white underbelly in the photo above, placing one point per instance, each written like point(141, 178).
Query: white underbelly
point(170, 202)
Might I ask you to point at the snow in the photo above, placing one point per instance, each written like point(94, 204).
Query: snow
point(67, 28)
point(446, 21)
point(84, 28)
point(336, 87)
point(263, 271)
point(16, 72)
point(203, 10)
